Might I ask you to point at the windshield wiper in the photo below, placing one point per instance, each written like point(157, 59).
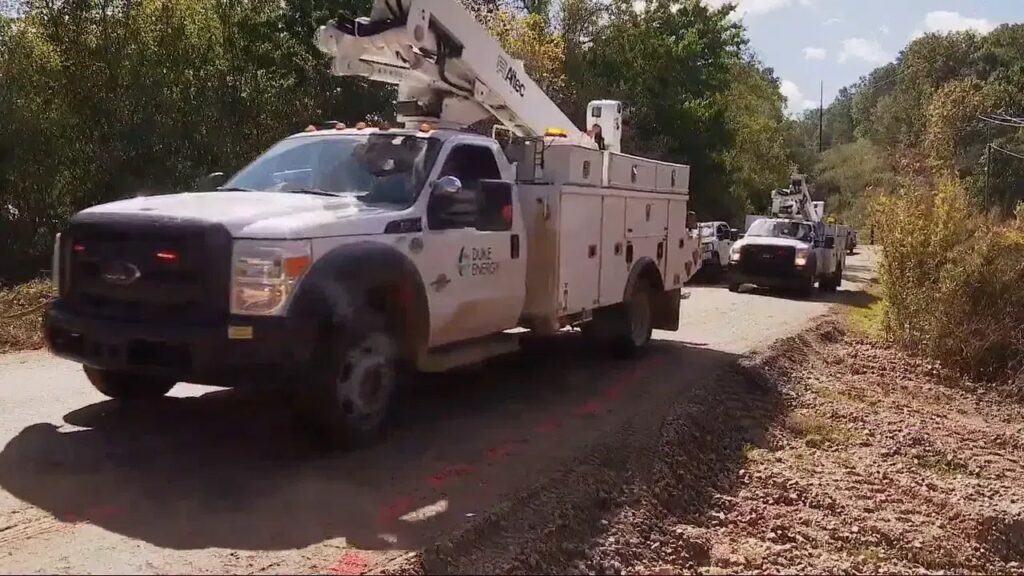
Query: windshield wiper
point(233, 189)
point(313, 191)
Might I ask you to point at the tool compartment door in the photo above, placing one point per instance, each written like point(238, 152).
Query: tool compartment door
point(614, 270)
point(646, 217)
point(579, 252)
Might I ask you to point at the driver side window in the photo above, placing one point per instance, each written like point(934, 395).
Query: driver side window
point(470, 164)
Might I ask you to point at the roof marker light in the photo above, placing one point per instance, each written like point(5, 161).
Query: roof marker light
point(310, 128)
point(167, 255)
point(556, 132)
point(361, 126)
point(340, 126)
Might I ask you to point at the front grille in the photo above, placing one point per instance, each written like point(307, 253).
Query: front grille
point(767, 260)
point(140, 268)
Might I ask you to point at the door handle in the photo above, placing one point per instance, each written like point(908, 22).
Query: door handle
point(515, 246)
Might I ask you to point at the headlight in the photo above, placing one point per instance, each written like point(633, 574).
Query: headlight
point(55, 264)
point(734, 254)
point(264, 274)
point(801, 256)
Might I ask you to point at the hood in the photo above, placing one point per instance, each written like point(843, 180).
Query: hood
point(771, 241)
point(261, 214)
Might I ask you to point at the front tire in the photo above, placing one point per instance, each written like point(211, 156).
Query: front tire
point(121, 385)
point(356, 376)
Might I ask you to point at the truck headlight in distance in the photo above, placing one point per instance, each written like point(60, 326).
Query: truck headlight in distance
point(264, 274)
point(55, 264)
point(734, 254)
point(801, 256)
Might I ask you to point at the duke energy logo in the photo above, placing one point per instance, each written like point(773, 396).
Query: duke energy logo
point(508, 73)
point(463, 262)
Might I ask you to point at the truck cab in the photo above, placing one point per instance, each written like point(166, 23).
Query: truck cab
point(787, 253)
point(716, 239)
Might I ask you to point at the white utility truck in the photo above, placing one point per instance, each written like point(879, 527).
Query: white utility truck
point(716, 239)
point(792, 248)
point(346, 257)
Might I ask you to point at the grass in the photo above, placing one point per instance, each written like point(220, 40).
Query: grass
point(867, 321)
point(817, 431)
point(21, 314)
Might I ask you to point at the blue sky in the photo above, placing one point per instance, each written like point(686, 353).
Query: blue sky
point(838, 41)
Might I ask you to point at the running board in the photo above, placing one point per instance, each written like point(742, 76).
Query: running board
point(460, 354)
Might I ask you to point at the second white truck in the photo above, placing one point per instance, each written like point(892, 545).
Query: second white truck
point(344, 258)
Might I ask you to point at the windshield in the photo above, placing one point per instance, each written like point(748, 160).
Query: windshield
point(707, 230)
point(781, 229)
point(383, 168)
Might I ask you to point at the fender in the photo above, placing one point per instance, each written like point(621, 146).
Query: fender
point(354, 277)
point(664, 304)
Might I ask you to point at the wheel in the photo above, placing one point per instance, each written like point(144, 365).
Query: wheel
point(632, 328)
point(356, 373)
point(807, 289)
point(127, 386)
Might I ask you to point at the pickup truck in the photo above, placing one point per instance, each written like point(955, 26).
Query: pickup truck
point(788, 253)
point(716, 239)
point(343, 260)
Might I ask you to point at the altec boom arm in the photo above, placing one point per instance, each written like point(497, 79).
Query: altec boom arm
point(795, 202)
point(447, 67)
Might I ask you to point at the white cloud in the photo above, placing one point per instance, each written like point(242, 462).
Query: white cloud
point(869, 51)
point(943, 21)
point(884, 30)
point(814, 53)
point(795, 101)
point(744, 7)
point(832, 21)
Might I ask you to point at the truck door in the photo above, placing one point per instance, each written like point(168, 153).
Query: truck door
point(476, 277)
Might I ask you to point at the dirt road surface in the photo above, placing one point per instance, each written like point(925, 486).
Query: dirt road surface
point(212, 481)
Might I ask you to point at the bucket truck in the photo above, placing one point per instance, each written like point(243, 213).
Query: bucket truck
point(791, 248)
point(346, 258)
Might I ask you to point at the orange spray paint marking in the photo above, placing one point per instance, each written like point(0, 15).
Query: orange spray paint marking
point(351, 563)
point(498, 453)
point(450, 473)
point(589, 409)
point(395, 510)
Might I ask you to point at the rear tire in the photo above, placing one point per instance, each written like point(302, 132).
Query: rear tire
point(356, 374)
point(121, 385)
point(632, 328)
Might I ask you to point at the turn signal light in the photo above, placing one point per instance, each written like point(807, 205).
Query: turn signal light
point(167, 256)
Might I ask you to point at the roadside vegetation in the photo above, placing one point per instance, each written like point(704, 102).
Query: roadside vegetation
point(918, 155)
point(21, 313)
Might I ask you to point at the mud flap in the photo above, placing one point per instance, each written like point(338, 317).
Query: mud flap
point(665, 309)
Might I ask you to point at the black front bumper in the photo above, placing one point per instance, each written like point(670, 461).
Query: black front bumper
point(236, 352)
point(792, 278)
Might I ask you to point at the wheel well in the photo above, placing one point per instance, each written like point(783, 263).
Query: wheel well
point(397, 303)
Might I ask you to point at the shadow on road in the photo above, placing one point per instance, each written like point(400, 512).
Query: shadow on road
point(228, 469)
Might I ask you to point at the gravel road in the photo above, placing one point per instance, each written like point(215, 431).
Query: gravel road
point(212, 480)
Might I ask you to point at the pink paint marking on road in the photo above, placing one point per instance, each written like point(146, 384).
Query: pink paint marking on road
point(351, 563)
point(498, 453)
point(591, 408)
point(395, 509)
point(450, 473)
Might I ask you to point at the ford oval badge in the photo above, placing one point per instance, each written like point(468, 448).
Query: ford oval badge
point(120, 273)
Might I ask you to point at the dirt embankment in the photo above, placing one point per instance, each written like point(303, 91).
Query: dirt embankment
point(21, 313)
point(823, 453)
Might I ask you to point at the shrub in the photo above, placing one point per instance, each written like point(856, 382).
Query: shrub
point(953, 281)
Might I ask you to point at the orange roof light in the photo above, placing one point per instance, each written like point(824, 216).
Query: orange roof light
point(556, 132)
point(310, 128)
point(361, 126)
point(426, 127)
point(340, 126)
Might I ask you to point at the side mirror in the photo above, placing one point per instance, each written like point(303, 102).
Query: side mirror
point(447, 208)
point(830, 242)
point(211, 181)
point(691, 220)
point(734, 234)
point(447, 187)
